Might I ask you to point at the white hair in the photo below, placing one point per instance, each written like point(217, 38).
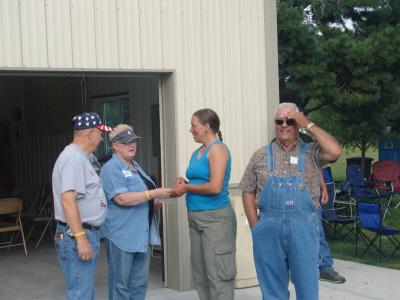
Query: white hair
point(290, 105)
point(118, 129)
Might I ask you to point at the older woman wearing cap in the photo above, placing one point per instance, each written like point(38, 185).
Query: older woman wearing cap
point(130, 227)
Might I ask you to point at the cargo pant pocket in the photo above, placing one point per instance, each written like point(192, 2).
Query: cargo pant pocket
point(225, 262)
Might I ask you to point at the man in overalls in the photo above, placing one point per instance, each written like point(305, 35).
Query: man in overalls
point(285, 177)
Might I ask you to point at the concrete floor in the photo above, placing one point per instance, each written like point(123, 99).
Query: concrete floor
point(38, 276)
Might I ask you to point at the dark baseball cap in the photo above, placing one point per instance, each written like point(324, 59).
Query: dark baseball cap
point(89, 120)
point(125, 137)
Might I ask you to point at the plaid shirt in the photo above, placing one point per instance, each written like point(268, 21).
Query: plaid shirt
point(256, 173)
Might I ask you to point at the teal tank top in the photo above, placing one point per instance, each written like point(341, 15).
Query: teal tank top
point(198, 172)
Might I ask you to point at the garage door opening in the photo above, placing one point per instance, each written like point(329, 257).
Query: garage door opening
point(36, 109)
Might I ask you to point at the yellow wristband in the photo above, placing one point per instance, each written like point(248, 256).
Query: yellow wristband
point(148, 195)
point(79, 233)
point(311, 124)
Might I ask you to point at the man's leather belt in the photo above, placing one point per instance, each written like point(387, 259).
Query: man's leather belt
point(84, 225)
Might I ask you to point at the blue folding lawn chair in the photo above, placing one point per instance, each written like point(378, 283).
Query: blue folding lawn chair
point(334, 219)
point(362, 189)
point(370, 216)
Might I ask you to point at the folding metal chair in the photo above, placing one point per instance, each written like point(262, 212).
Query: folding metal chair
point(333, 222)
point(386, 178)
point(370, 215)
point(362, 189)
point(40, 215)
point(43, 220)
point(11, 207)
point(342, 195)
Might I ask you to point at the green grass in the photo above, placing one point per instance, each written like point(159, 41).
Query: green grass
point(345, 248)
point(339, 167)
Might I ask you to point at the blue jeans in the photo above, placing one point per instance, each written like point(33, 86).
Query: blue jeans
point(128, 273)
point(79, 274)
point(325, 258)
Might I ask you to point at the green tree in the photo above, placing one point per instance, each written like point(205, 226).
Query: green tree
point(303, 75)
point(357, 46)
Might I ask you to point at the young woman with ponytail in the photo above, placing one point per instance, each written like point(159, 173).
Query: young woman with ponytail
point(212, 221)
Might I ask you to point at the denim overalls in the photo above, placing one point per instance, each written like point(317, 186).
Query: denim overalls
point(286, 235)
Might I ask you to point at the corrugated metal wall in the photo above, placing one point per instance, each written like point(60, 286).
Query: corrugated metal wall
point(216, 48)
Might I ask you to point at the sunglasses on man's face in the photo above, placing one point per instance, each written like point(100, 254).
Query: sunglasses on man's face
point(289, 122)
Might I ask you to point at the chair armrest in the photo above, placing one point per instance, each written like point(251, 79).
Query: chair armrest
point(388, 184)
point(376, 181)
point(340, 208)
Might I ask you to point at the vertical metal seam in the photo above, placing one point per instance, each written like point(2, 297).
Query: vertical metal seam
point(71, 33)
point(241, 72)
point(20, 34)
point(221, 61)
point(181, 57)
point(202, 50)
point(95, 36)
point(140, 37)
point(118, 39)
point(162, 41)
point(46, 33)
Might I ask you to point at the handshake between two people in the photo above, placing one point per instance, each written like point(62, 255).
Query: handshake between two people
point(179, 187)
point(177, 190)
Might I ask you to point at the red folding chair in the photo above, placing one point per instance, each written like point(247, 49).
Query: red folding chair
point(386, 177)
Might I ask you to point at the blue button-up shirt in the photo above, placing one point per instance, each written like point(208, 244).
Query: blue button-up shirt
point(127, 226)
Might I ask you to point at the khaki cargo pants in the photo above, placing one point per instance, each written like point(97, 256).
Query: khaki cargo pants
point(213, 248)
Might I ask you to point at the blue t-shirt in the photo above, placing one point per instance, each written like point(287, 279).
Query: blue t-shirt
point(126, 226)
point(198, 172)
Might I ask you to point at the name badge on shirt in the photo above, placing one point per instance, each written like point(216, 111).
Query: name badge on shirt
point(294, 160)
point(127, 173)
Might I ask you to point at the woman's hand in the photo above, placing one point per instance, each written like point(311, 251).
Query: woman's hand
point(157, 203)
point(179, 180)
point(179, 187)
point(161, 193)
point(179, 190)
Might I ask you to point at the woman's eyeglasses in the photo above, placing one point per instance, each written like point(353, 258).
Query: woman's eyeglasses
point(289, 122)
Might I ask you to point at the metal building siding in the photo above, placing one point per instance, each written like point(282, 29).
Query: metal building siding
point(211, 53)
point(105, 22)
point(129, 34)
point(190, 77)
point(10, 41)
point(215, 47)
point(58, 27)
point(33, 34)
point(150, 34)
point(231, 70)
point(171, 42)
point(83, 34)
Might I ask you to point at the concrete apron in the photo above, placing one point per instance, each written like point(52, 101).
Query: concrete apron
point(38, 276)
